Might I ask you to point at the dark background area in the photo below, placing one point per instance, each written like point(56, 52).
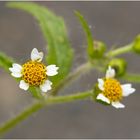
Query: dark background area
point(115, 23)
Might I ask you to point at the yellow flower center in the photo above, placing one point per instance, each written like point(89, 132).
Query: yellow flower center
point(112, 90)
point(34, 73)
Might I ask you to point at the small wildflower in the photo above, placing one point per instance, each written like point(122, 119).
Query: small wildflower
point(111, 91)
point(34, 72)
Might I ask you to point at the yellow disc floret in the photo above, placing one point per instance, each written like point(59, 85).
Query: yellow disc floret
point(34, 73)
point(112, 90)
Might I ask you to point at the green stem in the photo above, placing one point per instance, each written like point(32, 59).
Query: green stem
point(38, 105)
point(121, 50)
point(132, 77)
point(79, 71)
point(20, 117)
point(68, 98)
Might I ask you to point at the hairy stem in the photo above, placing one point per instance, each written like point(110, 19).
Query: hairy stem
point(132, 77)
point(72, 76)
point(69, 98)
point(40, 104)
point(20, 117)
point(121, 50)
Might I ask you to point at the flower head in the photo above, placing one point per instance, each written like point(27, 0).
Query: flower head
point(34, 72)
point(111, 91)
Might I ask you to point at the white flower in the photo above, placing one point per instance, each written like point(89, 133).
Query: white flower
point(111, 89)
point(34, 73)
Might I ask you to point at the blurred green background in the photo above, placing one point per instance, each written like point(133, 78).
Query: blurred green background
point(115, 23)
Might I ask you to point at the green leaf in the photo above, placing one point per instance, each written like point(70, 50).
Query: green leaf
point(54, 31)
point(132, 77)
point(95, 49)
point(90, 42)
point(5, 61)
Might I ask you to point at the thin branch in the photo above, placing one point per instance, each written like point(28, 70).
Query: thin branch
point(40, 104)
point(72, 76)
point(120, 50)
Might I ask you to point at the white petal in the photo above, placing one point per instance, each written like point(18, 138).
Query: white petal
point(16, 68)
point(101, 84)
point(118, 105)
point(52, 70)
point(23, 85)
point(103, 98)
point(127, 89)
point(46, 86)
point(16, 74)
point(36, 56)
point(110, 73)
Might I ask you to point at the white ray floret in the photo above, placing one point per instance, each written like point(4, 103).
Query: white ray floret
point(127, 89)
point(101, 84)
point(103, 98)
point(36, 56)
point(118, 105)
point(51, 70)
point(110, 73)
point(16, 70)
point(46, 86)
point(23, 85)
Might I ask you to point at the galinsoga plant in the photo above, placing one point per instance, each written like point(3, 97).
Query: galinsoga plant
point(45, 80)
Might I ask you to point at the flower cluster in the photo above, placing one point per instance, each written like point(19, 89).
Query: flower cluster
point(34, 72)
point(111, 91)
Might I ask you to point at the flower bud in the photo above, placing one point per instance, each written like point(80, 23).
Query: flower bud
point(136, 45)
point(119, 65)
point(99, 49)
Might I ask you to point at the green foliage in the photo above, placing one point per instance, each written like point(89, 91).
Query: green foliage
point(135, 78)
point(95, 49)
point(54, 31)
point(86, 28)
point(5, 61)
